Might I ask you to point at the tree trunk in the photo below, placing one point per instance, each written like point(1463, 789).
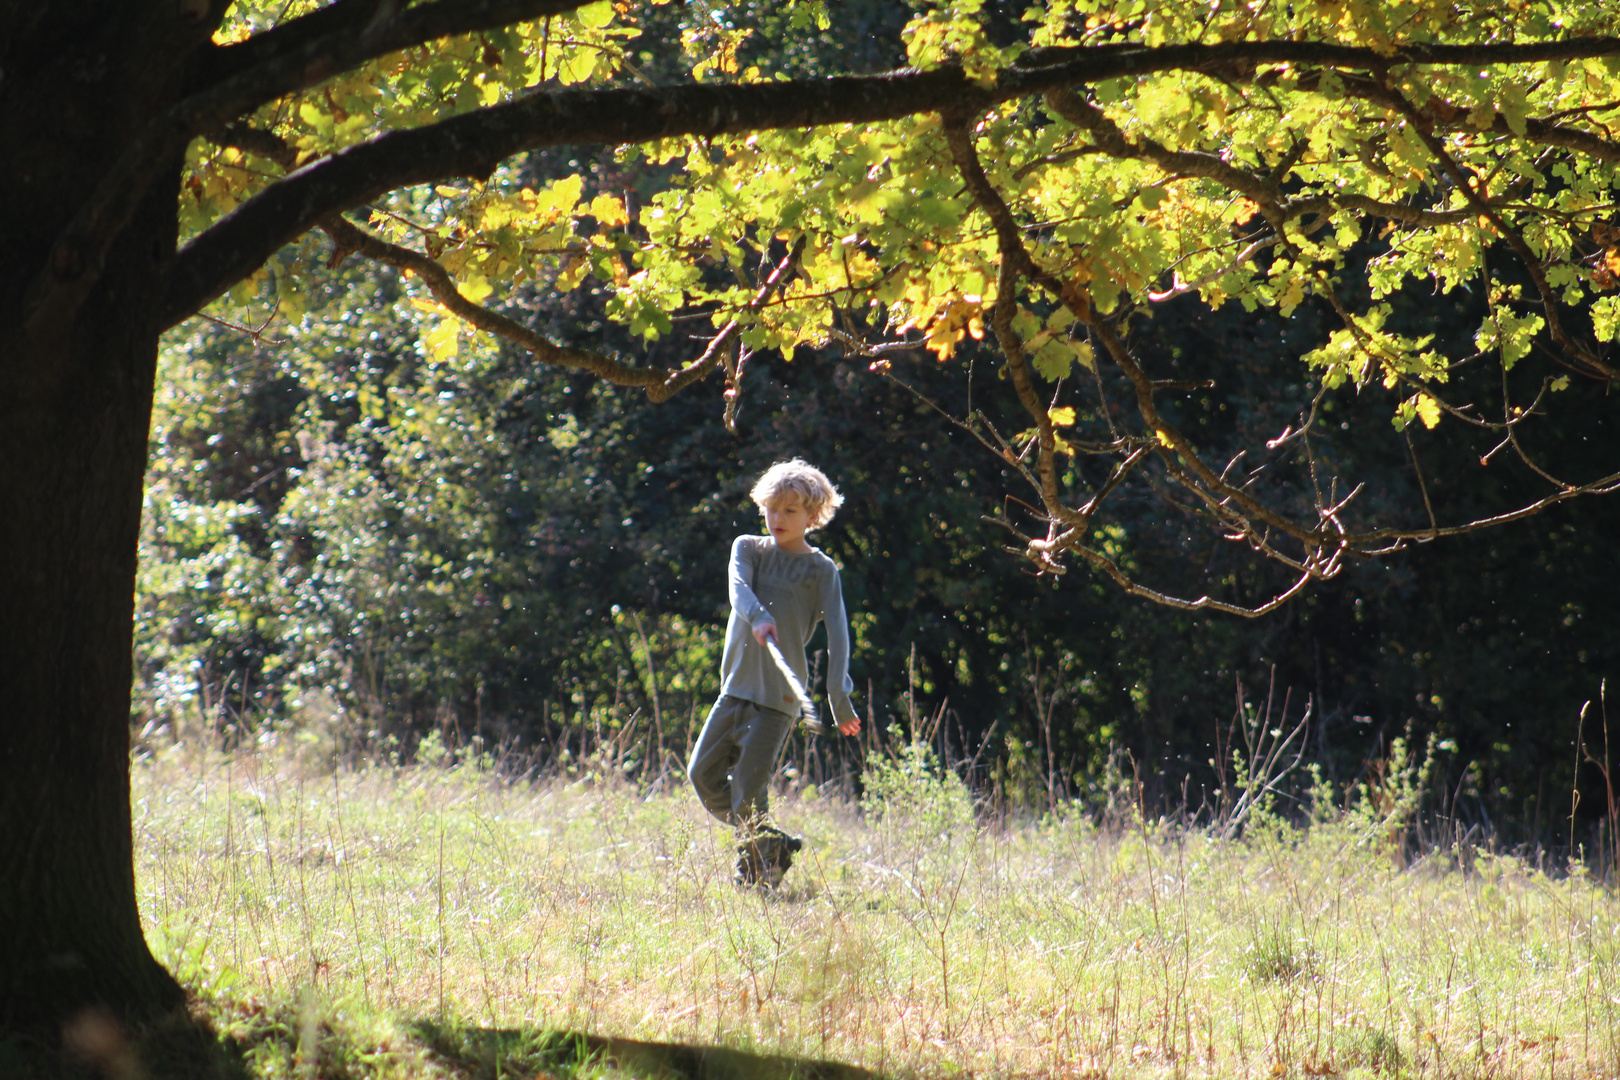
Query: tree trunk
point(77, 81)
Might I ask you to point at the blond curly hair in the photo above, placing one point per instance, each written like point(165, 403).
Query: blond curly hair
point(816, 493)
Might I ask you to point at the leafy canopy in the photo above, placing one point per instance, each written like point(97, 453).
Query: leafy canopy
point(1039, 194)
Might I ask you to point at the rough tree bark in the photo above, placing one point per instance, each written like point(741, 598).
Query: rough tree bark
point(76, 81)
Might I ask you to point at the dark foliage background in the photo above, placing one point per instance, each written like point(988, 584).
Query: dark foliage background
point(346, 535)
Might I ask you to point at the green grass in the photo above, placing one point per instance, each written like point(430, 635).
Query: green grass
point(437, 920)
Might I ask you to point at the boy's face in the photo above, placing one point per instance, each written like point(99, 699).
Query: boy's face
point(787, 521)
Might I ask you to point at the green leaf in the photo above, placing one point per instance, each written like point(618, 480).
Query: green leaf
point(1054, 361)
point(577, 67)
point(1510, 334)
point(1111, 90)
point(595, 16)
point(932, 211)
point(1606, 318)
point(1513, 105)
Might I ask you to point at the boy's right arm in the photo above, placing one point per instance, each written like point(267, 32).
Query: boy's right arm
point(740, 578)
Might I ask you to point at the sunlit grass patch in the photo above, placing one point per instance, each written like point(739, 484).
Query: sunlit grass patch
point(915, 935)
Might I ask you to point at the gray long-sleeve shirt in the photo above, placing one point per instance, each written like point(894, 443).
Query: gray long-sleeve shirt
point(795, 592)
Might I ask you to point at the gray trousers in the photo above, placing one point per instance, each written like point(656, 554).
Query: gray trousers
point(735, 756)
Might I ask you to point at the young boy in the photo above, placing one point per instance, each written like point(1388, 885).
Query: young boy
point(780, 588)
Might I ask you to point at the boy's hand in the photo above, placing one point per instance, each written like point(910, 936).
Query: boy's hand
point(851, 727)
point(766, 632)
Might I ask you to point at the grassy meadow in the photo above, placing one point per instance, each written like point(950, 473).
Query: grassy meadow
point(439, 920)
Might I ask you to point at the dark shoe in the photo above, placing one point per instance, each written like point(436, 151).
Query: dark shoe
point(763, 861)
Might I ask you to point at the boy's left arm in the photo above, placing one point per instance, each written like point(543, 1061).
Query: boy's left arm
point(839, 684)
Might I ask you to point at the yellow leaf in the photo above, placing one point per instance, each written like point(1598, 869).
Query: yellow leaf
point(1428, 410)
point(444, 340)
point(608, 211)
point(942, 340)
point(476, 289)
point(573, 271)
point(1062, 416)
point(560, 196)
point(1293, 293)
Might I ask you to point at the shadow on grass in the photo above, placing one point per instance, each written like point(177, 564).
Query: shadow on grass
point(258, 1043)
point(94, 1045)
point(488, 1053)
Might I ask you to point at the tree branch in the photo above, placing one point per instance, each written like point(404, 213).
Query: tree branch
point(1142, 59)
point(1011, 248)
point(1587, 361)
point(1068, 526)
point(1406, 215)
point(1550, 134)
point(83, 245)
point(1326, 546)
point(234, 80)
point(351, 238)
point(1203, 603)
point(1394, 539)
point(1087, 117)
point(1260, 190)
point(659, 385)
point(473, 144)
point(224, 61)
point(1547, 132)
point(348, 238)
point(1106, 134)
point(1233, 506)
